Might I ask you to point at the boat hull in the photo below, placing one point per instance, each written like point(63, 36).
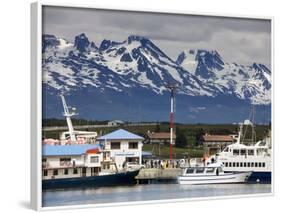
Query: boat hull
point(122, 178)
point(240, 177)
point(260, 177)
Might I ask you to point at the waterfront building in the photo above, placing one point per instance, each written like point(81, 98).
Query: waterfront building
point(123, 146)
point(159, 138)
point(63, 161)
point(115, 123)
point(215, 143)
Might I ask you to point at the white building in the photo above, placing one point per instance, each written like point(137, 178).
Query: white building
point(115, 123)
point(123, 146)
point(64, 161)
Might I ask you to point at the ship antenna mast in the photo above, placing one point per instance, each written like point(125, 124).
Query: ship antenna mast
point(253, 125)
point(240, 133)
point(68, 113)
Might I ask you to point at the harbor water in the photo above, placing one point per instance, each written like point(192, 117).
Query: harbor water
point(147, 192)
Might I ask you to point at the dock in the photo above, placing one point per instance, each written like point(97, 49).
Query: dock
point(149, 175)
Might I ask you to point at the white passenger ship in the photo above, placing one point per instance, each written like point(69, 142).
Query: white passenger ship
point(239, 157)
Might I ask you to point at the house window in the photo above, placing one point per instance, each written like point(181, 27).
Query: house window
point(65, 161)
point(133, 145)
point(75, 171)
point(55, 172)
point(44, 160)
point(66, 171)
point(45, 172)
point(115, 145)
point(94, 159)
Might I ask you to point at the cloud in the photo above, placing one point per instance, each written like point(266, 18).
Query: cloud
point(241, 40)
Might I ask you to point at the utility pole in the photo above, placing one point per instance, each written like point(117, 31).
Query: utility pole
point(172, 88)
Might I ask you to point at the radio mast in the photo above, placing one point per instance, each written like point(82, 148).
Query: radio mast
point(172, 88)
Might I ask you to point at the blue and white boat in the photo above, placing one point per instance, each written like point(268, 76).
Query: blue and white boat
point(211, 174)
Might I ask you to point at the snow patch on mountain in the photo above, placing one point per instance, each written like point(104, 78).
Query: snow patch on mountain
point(138, 63)
point(246, 82)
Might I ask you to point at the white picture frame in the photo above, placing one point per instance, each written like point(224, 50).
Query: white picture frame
point(36, 101)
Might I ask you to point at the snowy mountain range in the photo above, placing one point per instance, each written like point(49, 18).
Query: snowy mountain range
point(136, 66)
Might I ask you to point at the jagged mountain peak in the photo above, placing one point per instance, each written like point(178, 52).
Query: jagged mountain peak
point(81, 42)
point(49, 40)
point(106, 44)
point(133, 38)
point(138, 63)
point(260, 68)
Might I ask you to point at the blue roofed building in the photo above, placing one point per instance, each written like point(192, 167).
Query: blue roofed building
point(125, 147)
point(67, 150)
point(62, 161)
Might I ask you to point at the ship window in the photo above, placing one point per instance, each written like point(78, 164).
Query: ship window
point(75, 171)
point(249, 164)
point(256, 164)
point(263, 164)
point(235, 151)
point(252, 164)
point(199, 170)
point(243, 152)
point(210, 170)
point(94, 159)
point(115, 145)
point(226, 164)
point(189, 171)
point(133, 145)
point(250, 152)
point(66, 171)
point(55, 172)
point(245, 164)
point(234, 164)
point(241, 164)
point(259, 164)
point(237, 164)
point(45, 172)
point(230, 164)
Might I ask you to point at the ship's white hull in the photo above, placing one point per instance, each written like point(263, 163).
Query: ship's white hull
point(240, 177)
